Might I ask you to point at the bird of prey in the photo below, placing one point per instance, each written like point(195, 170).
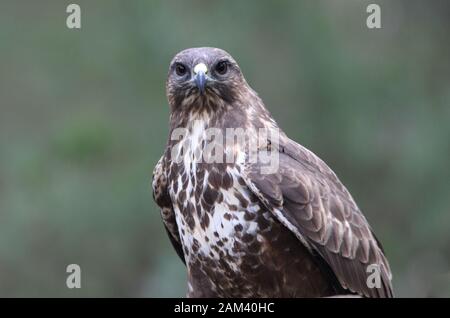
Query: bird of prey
point(244, 232)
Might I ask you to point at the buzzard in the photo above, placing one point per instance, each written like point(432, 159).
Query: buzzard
point(243, 231)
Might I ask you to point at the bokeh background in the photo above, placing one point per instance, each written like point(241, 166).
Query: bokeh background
point(83, 120)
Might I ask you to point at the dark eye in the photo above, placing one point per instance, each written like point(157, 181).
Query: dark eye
point(180, 69)
point(222, 67)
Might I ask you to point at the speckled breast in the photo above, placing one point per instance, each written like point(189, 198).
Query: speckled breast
point(232, 245)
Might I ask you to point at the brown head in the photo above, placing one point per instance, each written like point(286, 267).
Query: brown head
point(203, 79)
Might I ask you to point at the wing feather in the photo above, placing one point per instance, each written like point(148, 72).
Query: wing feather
point(308, 198)
point(162, 198)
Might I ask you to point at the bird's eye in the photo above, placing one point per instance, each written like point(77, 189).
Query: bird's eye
point(222, 67)
point(180, 69)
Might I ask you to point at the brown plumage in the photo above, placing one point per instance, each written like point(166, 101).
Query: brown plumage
point(293, 232)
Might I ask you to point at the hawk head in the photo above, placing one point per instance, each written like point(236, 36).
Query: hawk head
point(203, 79)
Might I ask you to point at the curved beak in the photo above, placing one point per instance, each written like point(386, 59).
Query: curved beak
point(200, 81)
point(200, 78)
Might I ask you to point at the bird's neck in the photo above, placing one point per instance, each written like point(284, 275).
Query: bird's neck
point(245, 111)
point(242, 129)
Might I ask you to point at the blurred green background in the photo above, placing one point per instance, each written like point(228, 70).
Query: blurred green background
point(83, 120)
